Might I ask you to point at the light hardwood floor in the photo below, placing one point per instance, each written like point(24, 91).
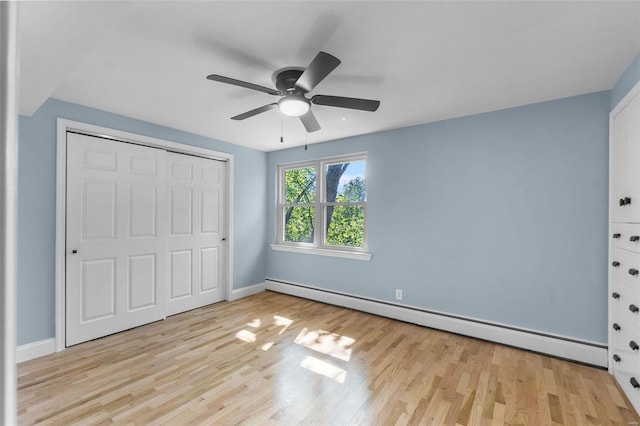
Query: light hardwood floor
point(277, 359)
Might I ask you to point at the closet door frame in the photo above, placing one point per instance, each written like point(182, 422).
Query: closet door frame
point(63, 126)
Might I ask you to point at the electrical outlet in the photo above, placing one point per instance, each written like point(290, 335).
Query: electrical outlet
point(398, 294)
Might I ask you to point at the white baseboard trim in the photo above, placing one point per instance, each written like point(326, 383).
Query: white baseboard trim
point(35, 350)
point(239, 293)
point(581, 351)
point(48, 346)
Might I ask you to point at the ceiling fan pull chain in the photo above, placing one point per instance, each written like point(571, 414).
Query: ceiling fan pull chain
point(305, 140)
point(281, 132)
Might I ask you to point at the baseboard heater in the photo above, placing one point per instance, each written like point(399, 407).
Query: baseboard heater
point(586, 352)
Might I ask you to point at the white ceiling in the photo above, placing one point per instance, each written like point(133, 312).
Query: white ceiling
point(425, 61)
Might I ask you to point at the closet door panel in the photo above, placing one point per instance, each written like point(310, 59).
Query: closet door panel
point(198, 206)
point(116, 250)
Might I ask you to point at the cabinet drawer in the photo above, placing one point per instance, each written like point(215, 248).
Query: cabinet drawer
point(626, 236)
point(625, 360)
point(625, 308)
point(620, 296)
point(624, 379)
point(625, 267)
point(624, 356)
point(624, 329)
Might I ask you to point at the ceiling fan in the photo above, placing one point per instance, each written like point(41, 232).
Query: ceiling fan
point(293, 84)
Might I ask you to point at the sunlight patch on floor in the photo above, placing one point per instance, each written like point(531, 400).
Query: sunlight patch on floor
point(256, 323)
point(246, 336)
point(324, 368)
point(282, 322)
point(327, 343)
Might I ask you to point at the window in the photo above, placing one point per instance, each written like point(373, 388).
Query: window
point(322, 205)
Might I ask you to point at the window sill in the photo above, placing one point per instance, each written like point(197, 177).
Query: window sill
point(323, 252)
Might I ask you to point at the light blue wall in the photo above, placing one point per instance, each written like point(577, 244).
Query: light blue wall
point(627, 80)
point(36, 207)
point(499, 216)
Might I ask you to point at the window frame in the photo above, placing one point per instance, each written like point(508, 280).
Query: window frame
point(319, 246)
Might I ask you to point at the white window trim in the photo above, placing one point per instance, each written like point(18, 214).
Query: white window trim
point(318, 248)
point(358, 255)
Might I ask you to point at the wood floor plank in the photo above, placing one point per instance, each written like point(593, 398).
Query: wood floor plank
point(273, 359)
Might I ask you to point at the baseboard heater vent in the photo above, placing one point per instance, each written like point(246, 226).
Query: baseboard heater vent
point(586, 352)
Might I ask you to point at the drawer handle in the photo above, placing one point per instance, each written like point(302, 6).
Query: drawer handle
point(633, 345)
point(633, 272)
point(615, 263)
point(634, 383)
point(624, 201)
point(615, 295)
point(634, 309)
point(634, 238)
point(616, 326)
point(616, 357)
point(616, 235)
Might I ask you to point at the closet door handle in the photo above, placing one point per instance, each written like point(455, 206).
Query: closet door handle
point(616, 235)
point(634, 383)
point(616, 326)
point(634, 238)
point(615, 263)
point(621, 202)
point(616, 357)
point(633, 345)
point(633, 272)
point(634, 309)
point(615, 295)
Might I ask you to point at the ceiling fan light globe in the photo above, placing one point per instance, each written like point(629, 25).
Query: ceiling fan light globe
point(293, 106)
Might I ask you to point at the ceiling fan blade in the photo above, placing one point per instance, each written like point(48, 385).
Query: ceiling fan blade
point(309, 121)
point(317, 70)
point(342, 102)
point(228, 80)
point(254, 112)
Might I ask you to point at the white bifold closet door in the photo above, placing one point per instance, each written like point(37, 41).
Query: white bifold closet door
point(143, 235)
point(196, 255)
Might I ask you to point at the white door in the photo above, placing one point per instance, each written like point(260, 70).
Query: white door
point(633, 153)
point(197, 250)
point(619, 159)
point(625, 163)
point(116, 237)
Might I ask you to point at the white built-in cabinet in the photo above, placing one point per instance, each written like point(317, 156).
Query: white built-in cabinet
point(624, 245)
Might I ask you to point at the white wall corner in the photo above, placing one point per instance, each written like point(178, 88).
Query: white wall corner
point(239, 293)
point(586, 352)
point(35, 350)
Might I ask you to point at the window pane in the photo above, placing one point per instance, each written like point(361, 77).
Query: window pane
point(345, 182)
point(346, 226)
point(298, 224)
point(300, 185)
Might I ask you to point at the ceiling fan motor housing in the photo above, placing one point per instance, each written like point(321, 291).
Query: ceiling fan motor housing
point(294, 103)
point(286, 80)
